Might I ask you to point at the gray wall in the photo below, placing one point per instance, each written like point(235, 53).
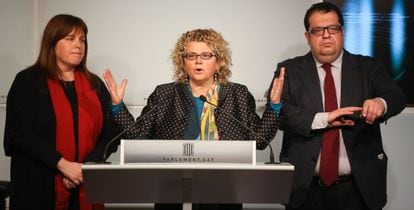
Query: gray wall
point(135, 37)
point(16, 40)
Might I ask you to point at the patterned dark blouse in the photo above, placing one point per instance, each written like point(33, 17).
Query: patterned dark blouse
point(172, 114)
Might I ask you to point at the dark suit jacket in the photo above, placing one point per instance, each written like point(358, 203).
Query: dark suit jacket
point(170, 119)
point(362, 78)
point(30, 140)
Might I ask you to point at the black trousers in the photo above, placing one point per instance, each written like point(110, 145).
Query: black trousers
point(177, 206)
point(4, 193)
point(342, 195)
point(74, 199)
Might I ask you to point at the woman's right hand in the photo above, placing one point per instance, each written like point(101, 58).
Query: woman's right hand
point(116, 92)
point(68, 184)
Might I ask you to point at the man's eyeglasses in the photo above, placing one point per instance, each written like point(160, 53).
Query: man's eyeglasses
point(193, 56)
point(319, 31)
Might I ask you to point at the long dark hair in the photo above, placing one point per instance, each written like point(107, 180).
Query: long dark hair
point(56, 29)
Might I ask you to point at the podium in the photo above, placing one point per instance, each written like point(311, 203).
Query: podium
point(187, 183)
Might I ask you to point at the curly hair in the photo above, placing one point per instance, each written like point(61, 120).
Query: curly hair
point(214, 41)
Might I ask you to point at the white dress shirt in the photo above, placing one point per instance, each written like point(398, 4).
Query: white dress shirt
point(320, 121)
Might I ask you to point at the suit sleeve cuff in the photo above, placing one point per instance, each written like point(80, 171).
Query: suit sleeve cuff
point(117, 108)
point(276, 107)
point(320, 121)
point(385, 104)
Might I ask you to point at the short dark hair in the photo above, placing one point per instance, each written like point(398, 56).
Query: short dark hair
point(322, 7)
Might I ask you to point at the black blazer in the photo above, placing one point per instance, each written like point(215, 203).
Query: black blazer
point(362, 78)
point(172, 115)
point(30, 140)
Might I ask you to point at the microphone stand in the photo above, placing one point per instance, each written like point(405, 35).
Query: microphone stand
point(271, 155)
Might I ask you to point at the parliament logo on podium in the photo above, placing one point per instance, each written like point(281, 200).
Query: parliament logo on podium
point(188, 149)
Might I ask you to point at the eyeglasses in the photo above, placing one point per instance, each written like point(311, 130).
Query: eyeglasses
point(193, 56)
point(319, 31)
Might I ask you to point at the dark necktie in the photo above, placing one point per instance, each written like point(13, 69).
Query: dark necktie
point(328, 169)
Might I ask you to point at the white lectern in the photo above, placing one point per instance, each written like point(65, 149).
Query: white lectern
point(188, 183)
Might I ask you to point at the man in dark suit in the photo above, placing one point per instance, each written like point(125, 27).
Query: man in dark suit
point(333, 104)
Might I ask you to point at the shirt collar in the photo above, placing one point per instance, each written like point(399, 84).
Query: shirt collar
point(337, 63)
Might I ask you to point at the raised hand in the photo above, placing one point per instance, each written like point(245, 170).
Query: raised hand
point(117, 92)
point(276, 92)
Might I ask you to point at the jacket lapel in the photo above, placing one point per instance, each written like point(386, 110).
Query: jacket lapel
point(309, 76)
point(350, 80)
point(184, 101)
point(222, 93)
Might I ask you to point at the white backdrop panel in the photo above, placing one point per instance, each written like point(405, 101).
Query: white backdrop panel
point(135, 38)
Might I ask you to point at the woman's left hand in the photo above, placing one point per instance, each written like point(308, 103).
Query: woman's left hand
point(71, 170)
point(276, 92)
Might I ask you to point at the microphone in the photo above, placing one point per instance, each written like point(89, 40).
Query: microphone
point(104, 156)
point(271, 155)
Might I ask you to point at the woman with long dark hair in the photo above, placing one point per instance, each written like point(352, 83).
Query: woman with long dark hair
point(58, 116)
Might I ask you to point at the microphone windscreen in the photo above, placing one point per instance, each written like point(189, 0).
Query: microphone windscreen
point(203, 98)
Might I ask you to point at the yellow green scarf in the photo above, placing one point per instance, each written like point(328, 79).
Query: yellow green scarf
point(208, 123)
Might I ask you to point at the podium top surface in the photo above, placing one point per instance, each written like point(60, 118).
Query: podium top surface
point(215, 166)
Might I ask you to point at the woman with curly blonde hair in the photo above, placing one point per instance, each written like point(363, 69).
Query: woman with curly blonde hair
point(202, 63)
point(214, 41)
